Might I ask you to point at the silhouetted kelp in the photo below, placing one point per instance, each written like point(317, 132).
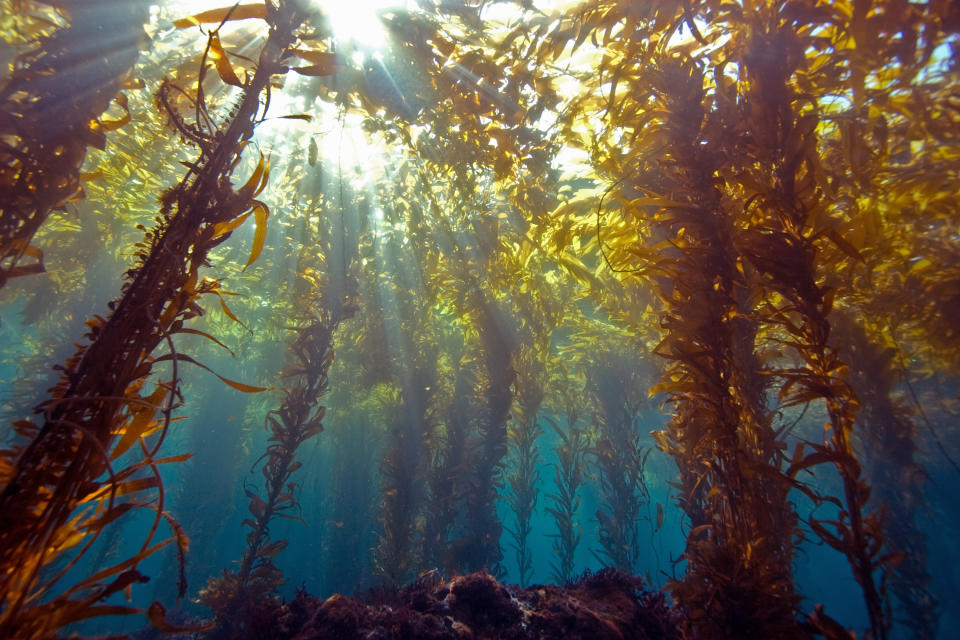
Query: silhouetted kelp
point(738, 581)
point(446, 486)
point(568, 473)
point(486, 453)
point(50, 112)
point(614, 384)
point(322, 298)
point(523, 476)
point(404, 467)
point(233, 595)
point(886, 435)
point(99, 410)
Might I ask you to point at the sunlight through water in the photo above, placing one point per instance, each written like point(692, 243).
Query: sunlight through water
point(358, 22)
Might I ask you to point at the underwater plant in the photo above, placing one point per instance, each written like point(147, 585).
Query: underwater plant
point(298, 419)
point(739, 551)
point(571, 450)
point(52, 107)
point(440, 548)
point(886, 435)
point(523, 476)
point(486, 452)
point(614, 385)
point(99, 410)
point(404, 465)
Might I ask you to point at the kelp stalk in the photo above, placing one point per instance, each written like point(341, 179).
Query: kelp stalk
point(523, 476)
point(404, 472)
point(739, 551)
point(298, 419)
point(620, 460)
point(482, 526)
point(571, 450)
point(99, 395)
point(781, 245)
point(886, 433)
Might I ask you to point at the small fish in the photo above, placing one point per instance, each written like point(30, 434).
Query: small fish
point(659, 516)
point(312, 152)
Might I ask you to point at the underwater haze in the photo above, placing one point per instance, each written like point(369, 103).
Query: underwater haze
point(320, 297)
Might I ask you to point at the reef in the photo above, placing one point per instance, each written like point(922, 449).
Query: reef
point(608, 605)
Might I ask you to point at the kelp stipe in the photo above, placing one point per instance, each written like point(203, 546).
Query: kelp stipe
point(441, 547)
point(522, 475)
point(403, 470)
point(571, 450)
point(614, 386)
point(100, 409)
point(780, 244)
point(324, 295)
point(233, 596)
point(739, 575)
point(52, 106)
point(463, 529)
point(486, 455)
point(886, 435)
point(404, 467)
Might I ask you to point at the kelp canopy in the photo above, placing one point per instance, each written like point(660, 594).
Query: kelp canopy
point(533, 287)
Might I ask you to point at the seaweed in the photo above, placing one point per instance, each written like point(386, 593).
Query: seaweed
point(613, 385)
point(523, 476)
point(232, 595)
point(886, 434)
point(785, 256)
point(403, 470)
point(759, 197)
point(570, 451)
point(446, 474)
point(99, 409)
point(486, 454)
point(738, 580)
point(52, 108)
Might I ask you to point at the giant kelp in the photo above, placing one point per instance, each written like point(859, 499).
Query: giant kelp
point(523, 477)
point(568, 473)
point(99, 411)
point(52, 105)
point(758, 237)
point(887, 437)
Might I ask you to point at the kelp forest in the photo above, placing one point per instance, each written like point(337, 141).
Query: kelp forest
point(480, 319)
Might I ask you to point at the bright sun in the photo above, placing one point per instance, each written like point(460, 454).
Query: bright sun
point(357, 21)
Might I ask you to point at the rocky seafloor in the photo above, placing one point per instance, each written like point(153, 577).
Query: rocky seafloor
point(609, 605)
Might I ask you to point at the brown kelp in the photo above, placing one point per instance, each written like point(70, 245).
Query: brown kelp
point(51, 110)
point(568, 477)
point(100, 408)
point(323, 296)
point(886, 433)
point(486, 454)
point(298, 419)
point(781, 245)
point(405, 464)
point(441, 546)
point(615, 387)
point(713, 155)
point(739, 551)
point(523, 477)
